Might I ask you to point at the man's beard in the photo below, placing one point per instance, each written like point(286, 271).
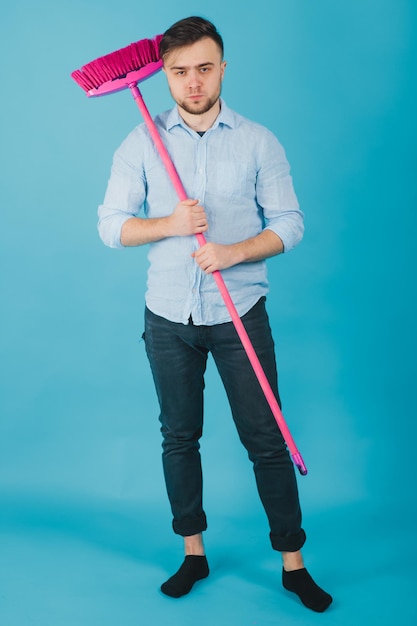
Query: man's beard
point(204, 107)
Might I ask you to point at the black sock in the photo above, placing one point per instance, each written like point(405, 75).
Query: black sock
point(194, 568)
point(311, 595)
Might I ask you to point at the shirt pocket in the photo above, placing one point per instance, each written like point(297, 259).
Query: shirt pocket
point(230, 178)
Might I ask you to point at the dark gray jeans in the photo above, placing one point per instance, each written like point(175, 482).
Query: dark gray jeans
point(178, 355)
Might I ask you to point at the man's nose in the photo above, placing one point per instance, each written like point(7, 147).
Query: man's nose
point(194, 78)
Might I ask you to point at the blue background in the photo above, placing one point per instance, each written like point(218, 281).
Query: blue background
point(84, 523)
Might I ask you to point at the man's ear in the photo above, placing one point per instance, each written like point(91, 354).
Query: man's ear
point(223, 67)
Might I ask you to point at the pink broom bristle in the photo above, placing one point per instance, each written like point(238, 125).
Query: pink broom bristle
point(117, 64)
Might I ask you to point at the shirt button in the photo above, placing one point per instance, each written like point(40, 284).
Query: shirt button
point(200, 171)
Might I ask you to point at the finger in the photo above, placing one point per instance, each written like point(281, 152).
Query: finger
point(190, 202)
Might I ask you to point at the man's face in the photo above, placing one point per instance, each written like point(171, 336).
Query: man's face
point(195, 75)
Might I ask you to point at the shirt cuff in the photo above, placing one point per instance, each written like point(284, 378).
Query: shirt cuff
point(110, 229)
point(290, 233)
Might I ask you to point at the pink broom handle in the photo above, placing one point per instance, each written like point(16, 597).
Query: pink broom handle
point(241, 331)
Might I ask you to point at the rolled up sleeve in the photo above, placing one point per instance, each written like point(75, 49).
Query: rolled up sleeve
point(124, 197)
point(276, 196)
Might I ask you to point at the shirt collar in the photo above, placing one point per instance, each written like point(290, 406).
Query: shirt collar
point(225, 117)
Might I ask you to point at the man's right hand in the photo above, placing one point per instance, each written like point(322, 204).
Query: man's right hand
point(188, 218)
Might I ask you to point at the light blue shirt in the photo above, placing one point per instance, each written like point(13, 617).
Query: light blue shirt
point(239, 172)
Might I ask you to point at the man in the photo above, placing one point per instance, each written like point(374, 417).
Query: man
point(241, 196)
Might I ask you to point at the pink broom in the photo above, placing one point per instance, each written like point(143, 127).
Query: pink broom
point(124, 69)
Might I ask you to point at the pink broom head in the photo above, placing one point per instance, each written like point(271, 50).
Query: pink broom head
point(120, 69)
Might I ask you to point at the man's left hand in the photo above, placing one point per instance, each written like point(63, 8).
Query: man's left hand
point(215, 256)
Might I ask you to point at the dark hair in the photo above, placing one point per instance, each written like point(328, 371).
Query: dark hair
point(188, 31)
